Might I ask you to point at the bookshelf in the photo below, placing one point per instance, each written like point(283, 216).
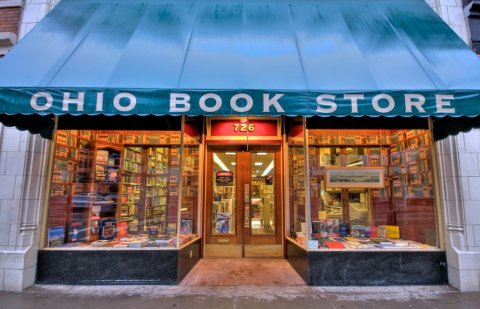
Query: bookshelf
point(156, 187)
point(125, 181)
point(297, 186)
point(407, 198)
point(190, 181)
point(412, 184)
point(130, 189)
point(104, 193)
point(70, 178)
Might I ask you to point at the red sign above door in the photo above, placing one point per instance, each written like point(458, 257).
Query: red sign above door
point(241, 129)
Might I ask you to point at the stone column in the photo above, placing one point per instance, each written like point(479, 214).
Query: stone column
point(23, 172)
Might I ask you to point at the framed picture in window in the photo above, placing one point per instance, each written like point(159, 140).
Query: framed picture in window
point(354, 177)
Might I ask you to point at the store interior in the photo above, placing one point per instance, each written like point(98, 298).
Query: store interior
point(121, 189)
point(368, 189)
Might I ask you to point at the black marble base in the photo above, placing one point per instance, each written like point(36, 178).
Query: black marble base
point(337, 268)
point(298, 258)
point(108, 267)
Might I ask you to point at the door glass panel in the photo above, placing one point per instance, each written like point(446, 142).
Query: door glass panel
point(263, 201)
point(223, 184)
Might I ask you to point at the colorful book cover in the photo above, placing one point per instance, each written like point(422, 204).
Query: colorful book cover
point(334, 245)
point(222, 224)
point(56, 236)
point(78, 231)
point(186, 226)
point(107, 229)
point(102, 156)
point(122, 229)
point(333, 227)
point(172, 229)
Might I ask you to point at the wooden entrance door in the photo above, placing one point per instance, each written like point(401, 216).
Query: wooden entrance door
point(243, 208)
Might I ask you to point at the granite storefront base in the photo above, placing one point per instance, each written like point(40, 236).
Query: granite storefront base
point(327, 268)
point(113, 267)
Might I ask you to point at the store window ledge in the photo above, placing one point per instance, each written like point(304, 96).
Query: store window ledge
point(323, 267)
point(112, 266)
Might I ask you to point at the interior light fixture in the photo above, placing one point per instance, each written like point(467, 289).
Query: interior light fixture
point(233, 163)
point(261, 153)
point(217, 160)
point(258, 163)
point(355, 163)
point(230, 153)
point(268, 169)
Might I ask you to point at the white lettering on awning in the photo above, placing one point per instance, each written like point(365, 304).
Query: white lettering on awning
point(67, 100)
point(99, 105)
point(326, 100)
point(443, 101)
point(210, 96)
point(124, 95)
point(354, 100)
point(376, 103)
point(44, 95)
point(414, 100)
point(267, 102)
point(241, 96)
point(179, 102)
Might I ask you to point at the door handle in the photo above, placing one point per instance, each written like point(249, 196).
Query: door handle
point(246, 193)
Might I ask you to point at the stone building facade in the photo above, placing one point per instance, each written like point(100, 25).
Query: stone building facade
point(24, 166)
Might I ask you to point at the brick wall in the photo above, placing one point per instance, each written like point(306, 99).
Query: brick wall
point(10, 19)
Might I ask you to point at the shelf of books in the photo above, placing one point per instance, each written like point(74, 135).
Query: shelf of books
point(104, 196)
point(404, 205)
point(297, 188)
point(156, 188)
point(120, 188)
point(71, 172)
point(412, 184)
point(173, 184)
point(131, 182)
point(190, 181)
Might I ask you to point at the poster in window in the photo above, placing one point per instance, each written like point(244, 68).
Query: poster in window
point(222, 224)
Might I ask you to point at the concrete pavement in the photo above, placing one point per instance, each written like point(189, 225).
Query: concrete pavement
point(251, 297)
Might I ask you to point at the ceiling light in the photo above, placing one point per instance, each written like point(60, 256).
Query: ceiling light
point(261, 153)
point(268, 169)
point(258, 163)
point(230, 153)
point(217, 160)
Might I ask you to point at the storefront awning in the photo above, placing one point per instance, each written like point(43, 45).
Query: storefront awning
point(360, 58)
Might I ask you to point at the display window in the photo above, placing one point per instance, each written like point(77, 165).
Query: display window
point(368, 189)
point(124, 189)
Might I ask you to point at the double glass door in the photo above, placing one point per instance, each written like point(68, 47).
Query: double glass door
point(243, 211)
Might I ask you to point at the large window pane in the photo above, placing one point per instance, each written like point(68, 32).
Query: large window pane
point(120, 189)
point(296, 189)
point(400, 210)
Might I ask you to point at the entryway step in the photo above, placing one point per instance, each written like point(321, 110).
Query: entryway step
point(237, 272)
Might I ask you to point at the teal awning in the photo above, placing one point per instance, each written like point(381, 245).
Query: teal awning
point(241, 57)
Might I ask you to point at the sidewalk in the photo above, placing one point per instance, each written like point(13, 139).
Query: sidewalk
point(251, 297)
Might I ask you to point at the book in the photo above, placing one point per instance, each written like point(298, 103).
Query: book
point(334, 245)
point(138, 243)
point(107, 229)
point(78, 231)
point(100, 243)
point(382, 241)
point(186, 226)
point(56, 236)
